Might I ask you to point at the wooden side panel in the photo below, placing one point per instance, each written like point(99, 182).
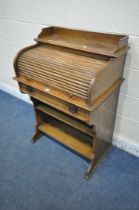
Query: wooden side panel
point(103, 117)
point(106, 77)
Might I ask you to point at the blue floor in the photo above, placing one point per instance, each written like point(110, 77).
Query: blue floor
point(46, 176)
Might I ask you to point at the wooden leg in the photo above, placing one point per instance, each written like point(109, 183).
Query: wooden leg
point(39, 121)
point(36, 135)
point(89, 171)
point(100, 148)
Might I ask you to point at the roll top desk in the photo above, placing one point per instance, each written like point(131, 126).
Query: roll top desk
point(73, 79)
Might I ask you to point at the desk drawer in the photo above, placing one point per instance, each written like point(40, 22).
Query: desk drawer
point(57, 103)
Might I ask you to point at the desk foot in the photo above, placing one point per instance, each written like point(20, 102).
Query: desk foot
point(36, 136)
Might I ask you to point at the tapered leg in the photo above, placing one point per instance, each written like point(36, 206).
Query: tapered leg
point(37, 134)
point(88, 173)
point(100, 147)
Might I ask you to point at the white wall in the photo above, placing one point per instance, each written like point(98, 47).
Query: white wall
point(21, 21)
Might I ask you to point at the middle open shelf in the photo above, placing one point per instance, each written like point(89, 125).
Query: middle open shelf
point(66, 119)
point(72, 133)
point(70, 137)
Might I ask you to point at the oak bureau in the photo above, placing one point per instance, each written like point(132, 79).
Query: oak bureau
point(73, 79)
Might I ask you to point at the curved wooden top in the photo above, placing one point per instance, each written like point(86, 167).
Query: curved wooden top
point(55, 67)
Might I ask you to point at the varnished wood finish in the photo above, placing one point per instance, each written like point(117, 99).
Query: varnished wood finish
point(103, 117)
point(66, 119)
point(58, 94)
point(94, 42)
point(66, 135)
point(41, 64)
point(81, 114)
point(73, 78)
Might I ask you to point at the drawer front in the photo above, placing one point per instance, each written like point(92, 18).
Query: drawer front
point(57, 103)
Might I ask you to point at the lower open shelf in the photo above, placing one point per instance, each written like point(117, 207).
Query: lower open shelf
point(73, 139)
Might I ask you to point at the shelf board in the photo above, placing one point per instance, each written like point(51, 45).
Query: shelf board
point(77, 143)
point(66, 119)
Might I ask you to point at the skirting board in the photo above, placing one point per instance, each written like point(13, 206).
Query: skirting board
point(126, 144)
point(119, 141)
point(14, 92)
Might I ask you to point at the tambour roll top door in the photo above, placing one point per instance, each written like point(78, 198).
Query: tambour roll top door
point(58, 68)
